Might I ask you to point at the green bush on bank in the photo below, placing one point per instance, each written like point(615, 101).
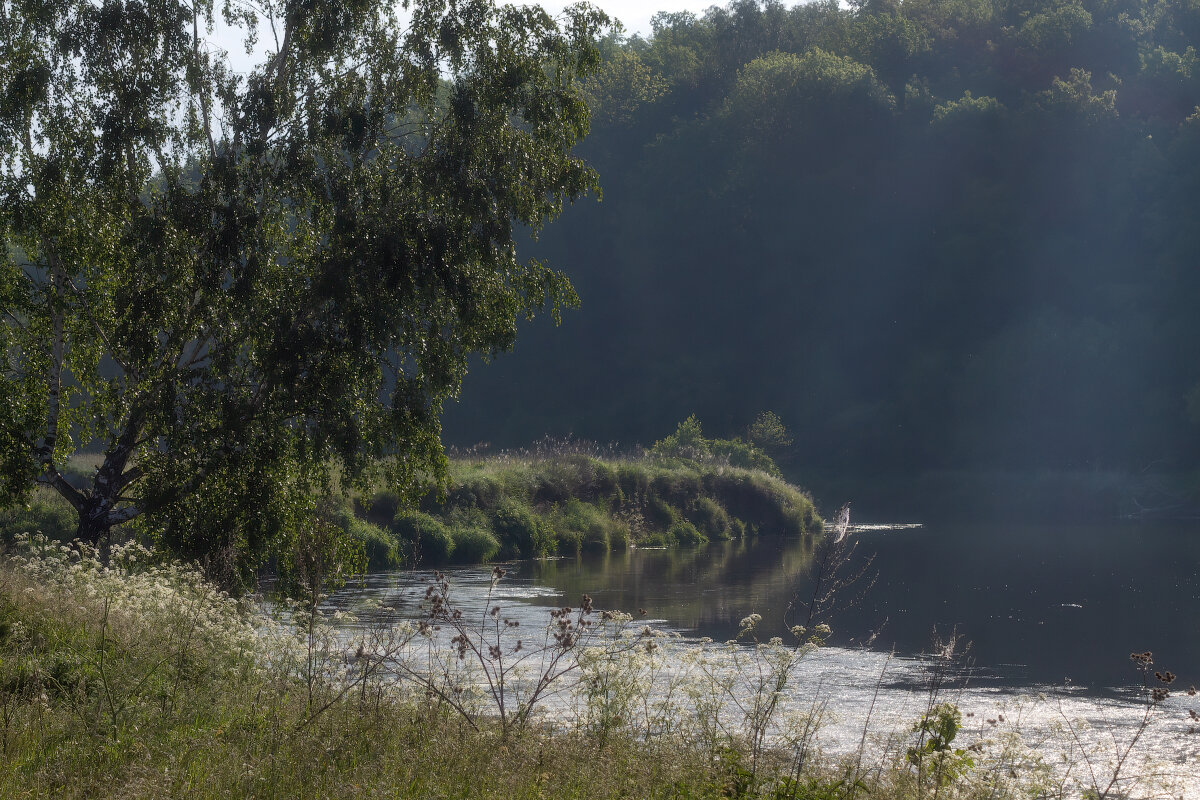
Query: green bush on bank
point(538, 507)
point(685, 490)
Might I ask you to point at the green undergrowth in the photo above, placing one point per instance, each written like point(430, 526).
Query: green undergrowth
point(530, 508)
point(685, 490)
point(140, 679)
point(503, 508)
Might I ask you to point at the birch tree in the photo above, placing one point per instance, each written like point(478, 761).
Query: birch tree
point(250, 287)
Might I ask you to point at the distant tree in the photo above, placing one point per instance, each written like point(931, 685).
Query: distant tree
point(686, 442)
point(621, 87)
point(768, 432)
point(786, 97)
point(250, 288)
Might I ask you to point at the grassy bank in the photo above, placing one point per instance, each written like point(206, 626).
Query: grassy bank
point(143, 680)
point(529, 507)
point(561, 498)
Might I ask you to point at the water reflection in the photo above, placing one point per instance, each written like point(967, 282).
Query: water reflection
point(1041, 604)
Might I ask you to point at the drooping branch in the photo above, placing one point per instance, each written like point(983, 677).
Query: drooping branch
point(45, 449)
point(206, 116)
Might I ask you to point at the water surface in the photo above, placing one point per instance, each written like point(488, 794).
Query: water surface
point(1052, 613)
point(1039, 604)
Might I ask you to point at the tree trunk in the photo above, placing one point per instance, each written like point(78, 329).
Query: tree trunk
point(97, 518)
point(94, 528)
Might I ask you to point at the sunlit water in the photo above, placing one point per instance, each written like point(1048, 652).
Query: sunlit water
point(1051, 613)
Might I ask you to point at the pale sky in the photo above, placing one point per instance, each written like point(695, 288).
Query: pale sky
point(634, 14)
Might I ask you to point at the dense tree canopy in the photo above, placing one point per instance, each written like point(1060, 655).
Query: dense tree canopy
point(929, 234)
point(248, 287)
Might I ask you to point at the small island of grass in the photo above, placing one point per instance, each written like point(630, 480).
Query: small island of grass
point(566, 498)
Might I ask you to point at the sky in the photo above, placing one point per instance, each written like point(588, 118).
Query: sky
point(634, 14)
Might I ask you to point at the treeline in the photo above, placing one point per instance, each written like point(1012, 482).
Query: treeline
point(932, 235)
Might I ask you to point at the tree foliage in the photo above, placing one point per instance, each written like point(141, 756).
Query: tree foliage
point(250, 287)
point(934, 235)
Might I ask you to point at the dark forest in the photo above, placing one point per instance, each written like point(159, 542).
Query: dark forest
point(943, 236)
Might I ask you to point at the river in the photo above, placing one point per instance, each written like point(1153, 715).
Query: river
point(1050, 613)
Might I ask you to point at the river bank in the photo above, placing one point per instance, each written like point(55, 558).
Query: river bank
point(143, 680)
point(557, 498)
point(533, 507)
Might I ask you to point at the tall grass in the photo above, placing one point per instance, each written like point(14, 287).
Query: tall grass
point(559, 497)
point(530, 506)
point(140, 679)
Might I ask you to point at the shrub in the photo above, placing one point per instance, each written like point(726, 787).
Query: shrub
point(473, 544)
point(585, 526)
point(745, 455)
point(632, 481)
point(685, 533)
point(555, 482)
point(521, 533)
point(382, 507)
point(659, 513)
point(768, 431)
point(380, 546)
point(686, 442)
point(764, 502)
point(711, 519)
point(477, 491)
point(429, 540)
point(679, 487)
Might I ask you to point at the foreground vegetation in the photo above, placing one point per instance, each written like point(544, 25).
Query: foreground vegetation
point(143, 680)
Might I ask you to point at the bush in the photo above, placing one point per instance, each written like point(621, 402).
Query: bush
point(659, 513)
point(521, 533)
point(711, 519)
point(686, 442)
point(632, 481)
point(744, 455)
point(380, 546)
point(556, 482)
point(477, 491)
point(584, 526)
point(474, 545)
point(383, 507)
point(679, 487)
point(685, 533)
point(428, 539)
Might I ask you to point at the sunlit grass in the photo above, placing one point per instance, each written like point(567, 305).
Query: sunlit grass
point(143, 680)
